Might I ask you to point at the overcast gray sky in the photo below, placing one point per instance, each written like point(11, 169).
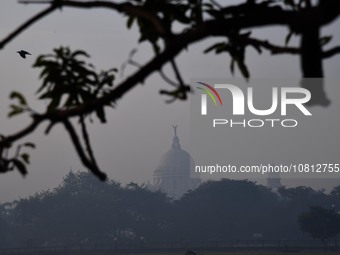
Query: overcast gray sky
point(139, 130)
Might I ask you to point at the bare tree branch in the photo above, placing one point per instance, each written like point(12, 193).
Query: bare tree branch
point(28, 23)
point(167, 79)
point(86, 138)
point(274, 49)
point(76, 142)
point(177, 72)
point(181, 91)
point(126, 8)
point(131, 61)
point(23, 132)
point(331, 52)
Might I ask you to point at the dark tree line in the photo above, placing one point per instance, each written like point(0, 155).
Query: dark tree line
point(321, 223)
point(83, 210)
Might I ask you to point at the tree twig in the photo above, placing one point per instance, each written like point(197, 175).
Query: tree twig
point(25, 25)
point(127, 8)
point(331, 52)
point(76, 142)
point(274, 49)
point(24, 132)
point(86, 138)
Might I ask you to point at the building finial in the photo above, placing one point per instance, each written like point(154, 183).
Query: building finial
point(175, 129)
point(175, 140)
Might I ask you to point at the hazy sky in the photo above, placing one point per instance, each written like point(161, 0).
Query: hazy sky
point(139, 130)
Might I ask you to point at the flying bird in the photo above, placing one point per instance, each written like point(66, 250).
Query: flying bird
point(23, 53)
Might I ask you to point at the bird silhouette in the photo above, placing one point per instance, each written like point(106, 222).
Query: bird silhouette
point(23, 53)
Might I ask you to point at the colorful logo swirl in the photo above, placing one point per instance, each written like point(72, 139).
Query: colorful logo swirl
point(209, 90)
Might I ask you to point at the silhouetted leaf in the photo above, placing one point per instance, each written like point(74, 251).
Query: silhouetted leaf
point(30, 145)
point(130, 21)
point(79, 52)
point(326, 39)
point(17, 95)
point(218, 47)
point(243, 68)
point(15, 110)
point(101, 114)
point(25, 157)
point(20, 166)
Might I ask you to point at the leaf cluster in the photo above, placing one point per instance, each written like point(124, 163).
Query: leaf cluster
point(18, 161)
point(20, 107)
point(68, 81)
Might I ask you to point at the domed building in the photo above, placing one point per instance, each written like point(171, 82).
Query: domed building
point(175, 173)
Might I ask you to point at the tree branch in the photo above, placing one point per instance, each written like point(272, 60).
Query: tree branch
point(126, 8)
point(167, 79)
point(86, 138)
point(28, 23)
point(177, 73)
point(181, 91)
point(86, 162)
point(24, 132)
point(274, 49)
point(331, 52)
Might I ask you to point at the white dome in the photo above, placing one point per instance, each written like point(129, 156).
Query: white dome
point(175, 162)
point(175, 172)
